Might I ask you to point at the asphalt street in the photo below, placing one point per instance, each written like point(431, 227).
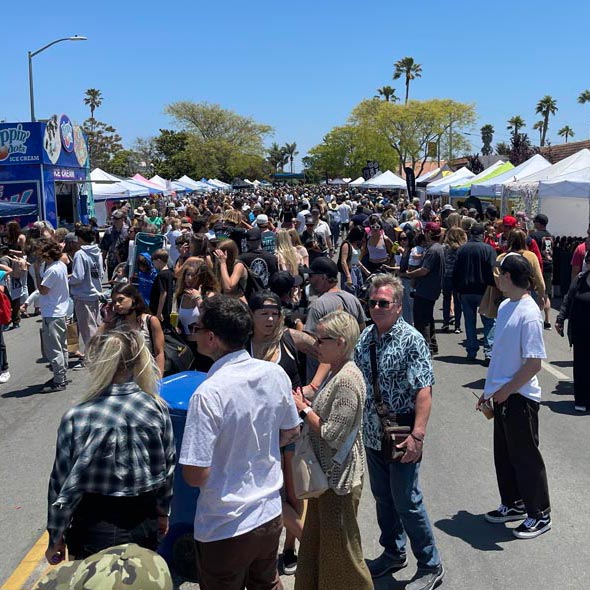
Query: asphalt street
point(457, 473)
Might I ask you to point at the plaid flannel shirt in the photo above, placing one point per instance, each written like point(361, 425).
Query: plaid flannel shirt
point(119, 444)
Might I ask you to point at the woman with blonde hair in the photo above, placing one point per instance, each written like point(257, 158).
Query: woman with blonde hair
point(453, 220)
point(288, 257)
point(330, 555)
point(301, 249)
point(454, 238)
point(231, 273)
point(112, 477)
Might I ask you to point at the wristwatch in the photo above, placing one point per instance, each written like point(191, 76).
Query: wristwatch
point(303, 413)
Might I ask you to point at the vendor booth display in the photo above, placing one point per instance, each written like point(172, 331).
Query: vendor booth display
point(45, 164)
point(464, 189)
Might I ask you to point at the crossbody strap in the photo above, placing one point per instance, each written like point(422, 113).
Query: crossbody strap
point(382, 408)
point(346, 447)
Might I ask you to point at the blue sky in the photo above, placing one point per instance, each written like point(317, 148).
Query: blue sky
point(300, 67)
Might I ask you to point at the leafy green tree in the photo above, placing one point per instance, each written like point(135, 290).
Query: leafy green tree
point(387, 93)
point(521, 148)
point(171, 157)
point(515, 124)
point(147, 154)
point(290, 150)
point(546, 106)
point(566, 132)
point(502, 148)
point(124, 163)
point(277, 157)
point(93, 98)
point(103, 142)
point(538, 126)
point(408, 68)
point(220, 143)
point(487, 136)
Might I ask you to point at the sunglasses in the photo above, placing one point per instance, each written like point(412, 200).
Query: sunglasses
point(381, 303)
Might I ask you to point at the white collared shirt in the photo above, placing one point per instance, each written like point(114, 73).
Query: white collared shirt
point(233, 426)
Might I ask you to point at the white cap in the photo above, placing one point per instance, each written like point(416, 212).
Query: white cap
point(262, 219)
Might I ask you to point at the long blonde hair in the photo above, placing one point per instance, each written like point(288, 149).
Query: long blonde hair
point(287, 251)
point(116, 351)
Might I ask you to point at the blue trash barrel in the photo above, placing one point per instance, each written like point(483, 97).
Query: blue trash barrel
point(178, 548)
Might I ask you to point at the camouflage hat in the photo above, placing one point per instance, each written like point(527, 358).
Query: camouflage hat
point(125, 567)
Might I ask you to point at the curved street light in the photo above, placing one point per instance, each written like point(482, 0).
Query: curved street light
point(32, 54)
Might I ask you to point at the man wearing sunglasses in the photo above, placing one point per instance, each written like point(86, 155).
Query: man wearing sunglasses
point(405, 381)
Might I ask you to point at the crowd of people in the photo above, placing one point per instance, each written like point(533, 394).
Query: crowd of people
point(325, 301)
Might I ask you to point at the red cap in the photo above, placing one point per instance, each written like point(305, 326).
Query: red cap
point(509, 221)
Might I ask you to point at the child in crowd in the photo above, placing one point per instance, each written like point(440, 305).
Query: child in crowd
point(163, 287)
point(119, 275)
point(417, 255)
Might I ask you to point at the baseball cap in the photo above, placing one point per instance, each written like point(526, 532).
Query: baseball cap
point(117, 214)
point(253, 235)
point(309, 220)
point(262, 219)
point(116, 568)
point(283, 281)
point(324, 266)
point(541, 218)
point(509, 221)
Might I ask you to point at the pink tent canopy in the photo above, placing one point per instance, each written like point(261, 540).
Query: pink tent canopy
point(142, 180)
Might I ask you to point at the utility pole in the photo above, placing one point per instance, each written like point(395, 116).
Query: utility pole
point(451, 141)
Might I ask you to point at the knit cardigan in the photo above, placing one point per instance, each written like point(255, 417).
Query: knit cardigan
point(339, 404)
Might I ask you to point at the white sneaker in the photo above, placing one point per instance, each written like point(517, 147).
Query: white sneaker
point(4, 377)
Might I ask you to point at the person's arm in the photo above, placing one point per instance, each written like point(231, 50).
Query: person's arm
point(161, 303)
point(344, 262)
point(538, 280)
point(526, 372)
point(309, 391)
point(414, 443)
point(229, 283)
point(304, 343)
point(6, 269)
point(566, 307)
point(77, 276)
point(416, 274)
point(158, 343)
point(286, 437)
point(195, 477)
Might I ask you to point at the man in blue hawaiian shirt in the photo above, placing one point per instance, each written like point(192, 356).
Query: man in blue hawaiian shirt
point(405, 381)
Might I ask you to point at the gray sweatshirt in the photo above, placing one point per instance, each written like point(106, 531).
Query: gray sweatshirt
point(85, 282)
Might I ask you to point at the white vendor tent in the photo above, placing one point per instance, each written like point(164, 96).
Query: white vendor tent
point(493, 186)
point(442, 186)
point(357, 181)
point(566, 202)
point(219, 184)
point(195, 185)
point(108, 186)
point(386, 180)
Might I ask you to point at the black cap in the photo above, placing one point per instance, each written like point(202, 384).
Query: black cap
point(253, 235)
point(324, 266)
point(283, 281)
point(541, 218)
point(477, 229)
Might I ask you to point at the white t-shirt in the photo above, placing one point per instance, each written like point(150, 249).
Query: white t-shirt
point(301, 219)
point(233, 426)
point(518, 336)
point(345, 212)
point(55, 303)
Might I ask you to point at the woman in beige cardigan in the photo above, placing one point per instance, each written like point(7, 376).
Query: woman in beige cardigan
point(330, 555)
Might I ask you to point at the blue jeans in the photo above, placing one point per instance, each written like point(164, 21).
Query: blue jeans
point(401, 510)
point(469, 305)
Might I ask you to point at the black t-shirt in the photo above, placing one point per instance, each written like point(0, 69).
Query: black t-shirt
point(261, 263)
point(546, 245)
point(581, 313)
point(229, 232)
point(164, 282)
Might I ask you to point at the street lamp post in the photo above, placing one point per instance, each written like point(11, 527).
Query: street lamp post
point(32, 54)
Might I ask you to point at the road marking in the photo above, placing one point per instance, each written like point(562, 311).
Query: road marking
point(555, 372)
point(28, 565)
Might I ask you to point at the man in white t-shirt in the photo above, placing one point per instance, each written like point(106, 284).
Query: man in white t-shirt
point(513, 386)
point(53, 301)
point(237, 420)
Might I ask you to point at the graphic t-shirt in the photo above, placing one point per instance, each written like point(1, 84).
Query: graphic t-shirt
point(262, 263)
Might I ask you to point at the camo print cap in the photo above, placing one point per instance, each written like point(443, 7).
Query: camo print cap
point(125, 567)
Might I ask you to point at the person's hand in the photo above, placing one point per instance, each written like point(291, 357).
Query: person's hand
point(108, 313)
point(163, 525)
point(559, 328)
point(349, 282)
point(299, 398)
point(220, 255)
point(193, 293)
point(501, 395)
point(56, 553)
point(482, 400)
point(413, 450)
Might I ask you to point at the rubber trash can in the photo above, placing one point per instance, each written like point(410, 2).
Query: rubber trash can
point(177, 548)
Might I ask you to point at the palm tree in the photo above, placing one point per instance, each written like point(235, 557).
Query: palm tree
point(93, 98)
point(538, 126)
point(546, 106)
point(410, 69)
point(277, 156)
point(515, 123)
point(566, 132)
point(388, 94)
point(584, 97)
point(290, 150)
point(487, 136)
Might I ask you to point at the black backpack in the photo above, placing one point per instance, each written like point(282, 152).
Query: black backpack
point(178, 357)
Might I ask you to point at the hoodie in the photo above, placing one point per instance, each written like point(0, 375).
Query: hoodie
point(86, 278)
point(146, 279)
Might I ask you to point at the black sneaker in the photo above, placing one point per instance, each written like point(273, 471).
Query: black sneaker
point(506, 513)
point(50, 386)
point(486, 361)
point(289, 562)
point(532, 527)
point(386, 564)
point(427, 579)
point(547, 325)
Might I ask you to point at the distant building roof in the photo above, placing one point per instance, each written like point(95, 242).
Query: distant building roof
point(556, 153)
point(485, 161)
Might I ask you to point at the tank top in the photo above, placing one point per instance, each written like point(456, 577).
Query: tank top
point(378, 253)
point(188, 317)
point(354, 255)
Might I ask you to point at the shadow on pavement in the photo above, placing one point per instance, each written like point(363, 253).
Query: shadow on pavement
point(565, 407)
point(25, 392)
point(454, 359)
point(564, 388)
point(479, 384)
point(389, 583)
point(562, 363)
point(474, 530)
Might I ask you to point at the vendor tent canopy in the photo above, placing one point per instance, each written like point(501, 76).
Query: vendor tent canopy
point(493, 186)
point(442, 186)
point(386, 180)
point(566, 202)
point(338, 182)
point(108, 186)
point(433, 175)
point(14, 209)
point(239, 183)
point(219, 184)
point(357, 181)
point(196, 185)
point(464, 189)
point(168, 184)
point(151, 186)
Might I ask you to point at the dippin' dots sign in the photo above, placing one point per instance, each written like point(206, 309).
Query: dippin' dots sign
point(12, 141)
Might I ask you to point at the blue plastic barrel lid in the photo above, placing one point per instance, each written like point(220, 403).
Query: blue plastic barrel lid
point(178, 389)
